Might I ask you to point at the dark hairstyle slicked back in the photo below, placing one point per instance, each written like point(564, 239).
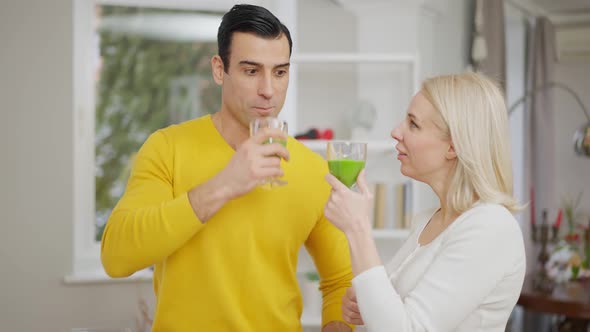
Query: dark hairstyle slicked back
point(250, 19)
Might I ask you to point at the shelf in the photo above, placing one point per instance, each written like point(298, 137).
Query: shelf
point(373, 146)
point(402, 58)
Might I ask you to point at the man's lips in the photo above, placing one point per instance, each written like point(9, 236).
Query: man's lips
point(263, 110)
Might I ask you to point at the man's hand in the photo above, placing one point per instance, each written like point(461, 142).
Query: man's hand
point(252, 163)
point(350, 309)
point(336, 327)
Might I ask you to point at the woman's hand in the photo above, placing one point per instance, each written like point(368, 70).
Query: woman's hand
point(349, 210)
point(350, 309)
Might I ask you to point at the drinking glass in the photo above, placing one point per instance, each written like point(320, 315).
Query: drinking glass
point(274, 123)
point(346, 160)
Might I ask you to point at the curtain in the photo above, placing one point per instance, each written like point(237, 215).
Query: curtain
point(540, 122)
point(488, 51)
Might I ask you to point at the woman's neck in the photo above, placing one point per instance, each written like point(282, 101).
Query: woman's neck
point(441, 189)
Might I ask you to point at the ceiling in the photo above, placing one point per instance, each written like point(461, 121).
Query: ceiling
point(564, 7)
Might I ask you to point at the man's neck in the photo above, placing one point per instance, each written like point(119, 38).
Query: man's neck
point(232, 131)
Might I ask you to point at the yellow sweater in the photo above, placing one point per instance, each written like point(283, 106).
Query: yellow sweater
point(237, 272)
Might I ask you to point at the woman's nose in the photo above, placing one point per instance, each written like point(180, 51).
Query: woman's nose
point(396, 133)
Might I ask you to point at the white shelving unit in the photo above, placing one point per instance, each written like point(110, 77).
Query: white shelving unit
point(385, 147)
point(362, 58)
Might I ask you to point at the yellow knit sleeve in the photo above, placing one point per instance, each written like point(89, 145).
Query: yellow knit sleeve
point(328, 247)
point(149, 223)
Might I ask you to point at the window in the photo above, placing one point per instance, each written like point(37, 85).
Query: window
point(137, 68)
point(154, 71)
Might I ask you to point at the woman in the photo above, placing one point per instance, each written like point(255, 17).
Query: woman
point(463, 265)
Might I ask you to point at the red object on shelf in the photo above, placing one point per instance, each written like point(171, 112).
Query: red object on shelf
point(310, 134)
point(315, 133)
point(327, 134)
point(558, 220)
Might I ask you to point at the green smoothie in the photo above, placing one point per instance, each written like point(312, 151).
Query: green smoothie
point(271, 140)
point(346, 170)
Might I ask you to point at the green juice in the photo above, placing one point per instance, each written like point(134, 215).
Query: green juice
point(346, 170)
point(271, 140)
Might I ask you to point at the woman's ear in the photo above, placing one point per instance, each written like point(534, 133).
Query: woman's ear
point(451, 154)
point(217, 69)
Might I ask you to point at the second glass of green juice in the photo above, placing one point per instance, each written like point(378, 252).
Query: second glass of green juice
point(346, 159)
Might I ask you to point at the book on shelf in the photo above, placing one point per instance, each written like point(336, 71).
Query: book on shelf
point(379, 206)
point(392, 207)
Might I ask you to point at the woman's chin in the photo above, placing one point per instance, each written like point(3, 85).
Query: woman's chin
point(403, 170)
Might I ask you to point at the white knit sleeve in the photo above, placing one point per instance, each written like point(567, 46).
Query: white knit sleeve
point(469, 264)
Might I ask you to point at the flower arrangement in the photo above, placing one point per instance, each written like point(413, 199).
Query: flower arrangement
point(565, 263)
point(570, 208)
point(570, 259)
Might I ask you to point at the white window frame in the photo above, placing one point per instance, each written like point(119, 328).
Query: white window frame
point(86, 265)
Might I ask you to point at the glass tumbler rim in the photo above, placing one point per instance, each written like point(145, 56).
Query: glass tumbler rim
point(343, 141)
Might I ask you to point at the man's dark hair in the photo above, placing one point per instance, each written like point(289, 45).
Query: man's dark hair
point(250, 19)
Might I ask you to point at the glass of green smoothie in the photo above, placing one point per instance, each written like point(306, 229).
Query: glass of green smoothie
point(346, 160)
point(275, 123)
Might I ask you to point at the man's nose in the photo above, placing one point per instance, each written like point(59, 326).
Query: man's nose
point(265, 86)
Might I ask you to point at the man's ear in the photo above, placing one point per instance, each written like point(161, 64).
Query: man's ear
point(451, 153)
point(217, 69)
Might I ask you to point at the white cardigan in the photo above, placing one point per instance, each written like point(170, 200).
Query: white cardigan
point(467, 279)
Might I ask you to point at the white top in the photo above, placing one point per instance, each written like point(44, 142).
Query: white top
point(467, 279)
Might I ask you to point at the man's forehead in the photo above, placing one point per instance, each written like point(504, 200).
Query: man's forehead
point(249, 48)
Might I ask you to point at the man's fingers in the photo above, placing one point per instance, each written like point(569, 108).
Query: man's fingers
point(355, 308)
point(270, 162)
point(351, 294)
point(275, 149)
point(269, 172)
point(352, 318)
point(351, 306)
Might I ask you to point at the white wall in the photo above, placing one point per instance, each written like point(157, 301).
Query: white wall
point(445, 33)
point(573, 172)
point(36, 179)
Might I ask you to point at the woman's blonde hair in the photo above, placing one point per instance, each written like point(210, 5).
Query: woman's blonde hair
point(475, 119)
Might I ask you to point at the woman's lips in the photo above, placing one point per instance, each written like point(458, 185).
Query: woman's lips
point(401, 154)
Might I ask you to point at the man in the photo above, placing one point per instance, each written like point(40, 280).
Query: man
point(225, 250)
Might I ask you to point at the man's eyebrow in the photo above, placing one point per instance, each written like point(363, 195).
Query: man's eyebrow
point(412, 116)
point(256, 64)
point(251, 63)
point(286, 64)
